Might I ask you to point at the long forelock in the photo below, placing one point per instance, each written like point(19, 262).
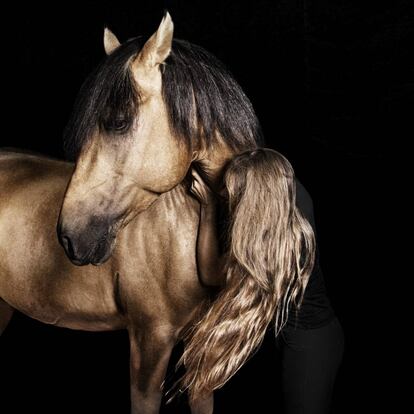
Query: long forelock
point(109, 93)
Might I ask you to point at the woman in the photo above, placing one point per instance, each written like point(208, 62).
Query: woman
point(270, 277)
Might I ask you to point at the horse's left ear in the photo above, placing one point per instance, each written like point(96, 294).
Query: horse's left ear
point(158, 46)
point(111, 42)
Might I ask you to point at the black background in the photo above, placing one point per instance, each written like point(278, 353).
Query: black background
point(332, 84)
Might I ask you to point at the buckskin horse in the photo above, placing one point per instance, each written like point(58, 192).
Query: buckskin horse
point(146, 114)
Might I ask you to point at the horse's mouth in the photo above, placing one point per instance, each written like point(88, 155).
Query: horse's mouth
point(102, 251)
point(98, 255)
point(102, 254)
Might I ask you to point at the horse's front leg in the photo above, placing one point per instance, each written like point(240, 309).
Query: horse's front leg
point(150, 351)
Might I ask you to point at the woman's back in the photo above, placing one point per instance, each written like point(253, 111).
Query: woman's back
point(316, 309)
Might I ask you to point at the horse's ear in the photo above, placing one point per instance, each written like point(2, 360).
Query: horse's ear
point(158, 46)
point(111, 42)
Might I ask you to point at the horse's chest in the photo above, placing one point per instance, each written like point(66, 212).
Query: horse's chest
point(157, 258)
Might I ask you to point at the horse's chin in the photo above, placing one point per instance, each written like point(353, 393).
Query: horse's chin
point(103, 251)
point(101, 261)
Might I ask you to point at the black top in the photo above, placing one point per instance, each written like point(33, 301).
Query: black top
point(316, 309)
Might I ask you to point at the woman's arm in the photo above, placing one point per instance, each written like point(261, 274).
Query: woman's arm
point(210, 263)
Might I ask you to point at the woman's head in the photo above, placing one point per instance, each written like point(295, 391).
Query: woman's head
point(261, 165)
point(261, 195)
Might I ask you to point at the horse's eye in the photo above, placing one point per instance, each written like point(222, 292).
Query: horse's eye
point(120, 125)
point(117, 125)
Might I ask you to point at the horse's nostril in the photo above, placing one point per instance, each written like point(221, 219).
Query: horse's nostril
point(67, 244)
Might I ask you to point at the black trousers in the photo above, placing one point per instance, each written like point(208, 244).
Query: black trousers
point(310, 362)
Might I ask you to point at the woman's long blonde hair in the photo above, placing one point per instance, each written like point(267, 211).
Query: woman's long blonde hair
point(270, 255)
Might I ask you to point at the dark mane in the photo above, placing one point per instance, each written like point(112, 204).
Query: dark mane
point(109, 95)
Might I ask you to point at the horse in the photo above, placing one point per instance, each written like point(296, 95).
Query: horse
point(107, 239)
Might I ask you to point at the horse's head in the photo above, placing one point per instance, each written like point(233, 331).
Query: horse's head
point(129, 154)
point(141, 118)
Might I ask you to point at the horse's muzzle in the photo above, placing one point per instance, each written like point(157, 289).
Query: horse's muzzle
point(91, 245)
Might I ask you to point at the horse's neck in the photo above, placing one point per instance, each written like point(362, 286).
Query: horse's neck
point(160, 244)
point(174, 212)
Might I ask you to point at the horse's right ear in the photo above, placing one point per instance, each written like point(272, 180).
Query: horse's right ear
point(158, 46)
point(111, 42)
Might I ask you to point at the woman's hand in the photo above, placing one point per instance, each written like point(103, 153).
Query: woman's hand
point(201, 190)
